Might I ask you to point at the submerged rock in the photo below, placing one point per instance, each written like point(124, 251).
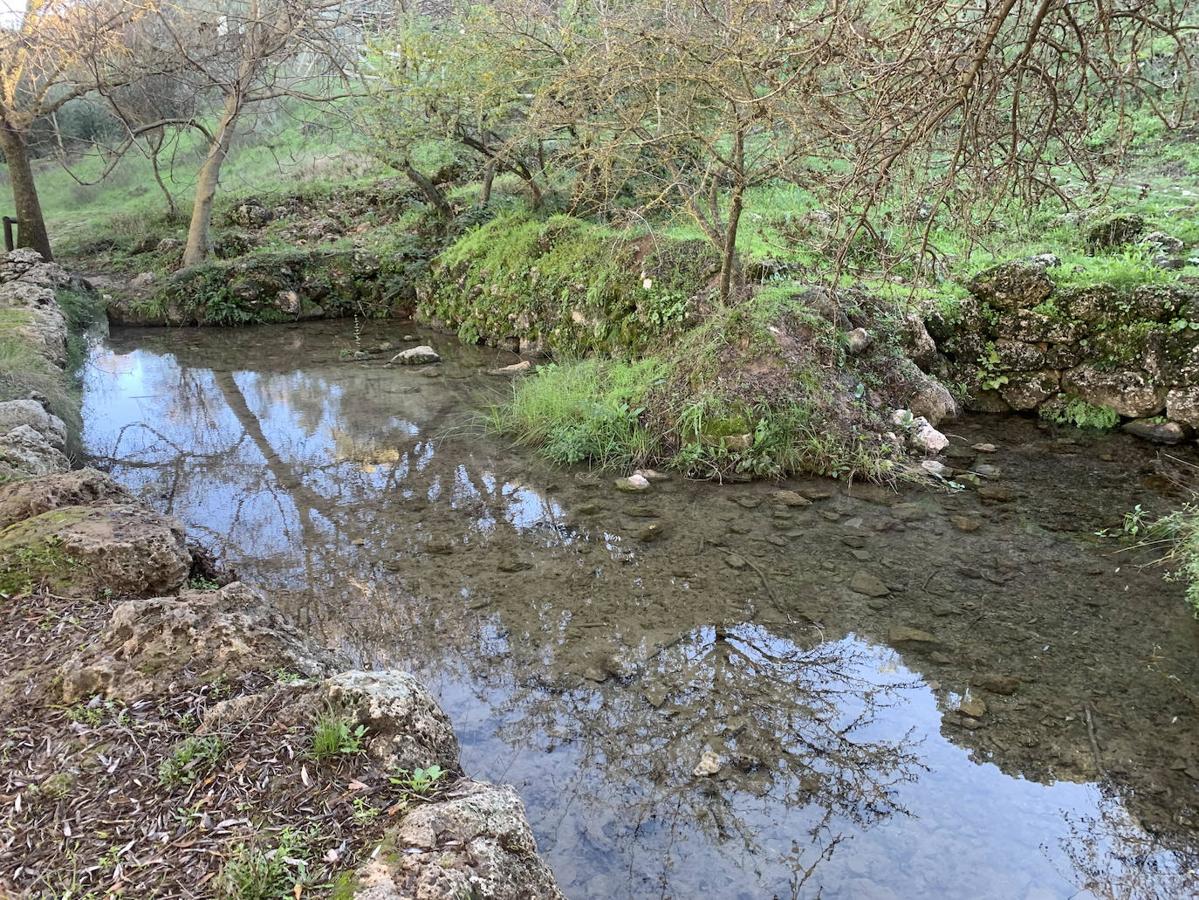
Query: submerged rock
point(635, 483)
point(792, 499)
point(515, 369)
point(417, 356)
point(1160, 432)
point(869, 585)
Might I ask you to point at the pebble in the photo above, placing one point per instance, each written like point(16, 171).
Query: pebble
point(791, 498)
point(709, 764)
point(975, 707)
point(652, 532)
point(633, 484)
point(986, 448)
point(870, 585)
point(417, 356)
point(965, 523)
point(733, 561)
point(906, 637)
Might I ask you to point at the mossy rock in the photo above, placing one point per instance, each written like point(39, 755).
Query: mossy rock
point(82, 550)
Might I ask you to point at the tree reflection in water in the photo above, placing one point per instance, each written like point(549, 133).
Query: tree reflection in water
point(794, 728)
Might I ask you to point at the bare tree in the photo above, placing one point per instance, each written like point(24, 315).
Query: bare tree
point(248, 52)
point(56, 51)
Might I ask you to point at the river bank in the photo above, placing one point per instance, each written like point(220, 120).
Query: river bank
point(168, 730)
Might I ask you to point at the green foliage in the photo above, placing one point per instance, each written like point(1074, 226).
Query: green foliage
point(274, 873)
point(191, 760)
point(1177, 534)
point(1081, 414)
point(576, 286)
point(335, 735)
point(419, 781)
point(1122, 270)
point(583, 411)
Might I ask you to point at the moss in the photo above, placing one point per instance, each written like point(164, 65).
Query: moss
point(760, 389)
point(24, 566)
point(573, 285)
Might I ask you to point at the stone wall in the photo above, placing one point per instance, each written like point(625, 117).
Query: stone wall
point(1101, 355)
point(74, 536)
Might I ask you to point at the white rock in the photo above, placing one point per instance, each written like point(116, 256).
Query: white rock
point(416, 356)
point(634, 483)
point(927, 439)
point(709, 764)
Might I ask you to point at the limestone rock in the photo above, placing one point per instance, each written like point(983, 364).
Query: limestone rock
point(857, 341)
point(476, 842)
point(904, 637)
point(416, 356)
point(933, 402)
point(515, 369)
point(33, 414)
point(791, 498)
point(25, 453)
point(116, 546)
point(1115, 231)
point(1012, 285)
point(1025, 391)
point(918, 343)
point(405, 726)
point(79, 487)
point(635, 483)
point(869, 585)
point(926, 439)
point(1130, 393)
point(1161, 242)
point(1182, 405)
point(1157, 431)
point(148, 644)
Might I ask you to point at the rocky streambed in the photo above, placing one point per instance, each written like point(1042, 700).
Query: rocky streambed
point(741, 690)
point(162, 722)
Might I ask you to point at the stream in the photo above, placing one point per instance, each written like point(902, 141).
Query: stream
point(699, 690)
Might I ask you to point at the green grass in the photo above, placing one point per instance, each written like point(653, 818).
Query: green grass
point(280, 872)
point(584, 411)
point(191, 760)
point(22, 568)
point(335, 735)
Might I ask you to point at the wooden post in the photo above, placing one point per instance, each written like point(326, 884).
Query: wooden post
point(10, 241)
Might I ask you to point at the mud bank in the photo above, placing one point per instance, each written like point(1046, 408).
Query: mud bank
point(163, 724)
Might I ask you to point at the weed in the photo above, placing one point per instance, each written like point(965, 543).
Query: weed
point(1081, 414)
point(418, 781)
point(275, 873)
point(363, 811)
point(335, 735)
point(190, 761)
point(200, 583)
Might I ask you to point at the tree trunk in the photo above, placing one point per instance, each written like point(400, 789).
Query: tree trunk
point(434, 195)
point(155, 150)
point(488, 181)
point(728, 258)
point(198, 242)
point(31, 223)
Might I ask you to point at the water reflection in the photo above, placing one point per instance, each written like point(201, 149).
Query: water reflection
point(596, 664)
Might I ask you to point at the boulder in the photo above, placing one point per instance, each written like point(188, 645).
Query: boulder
point(150, 644)
point(925, 439)
point(857, 341)
point(25, 453)
point(1157, 431)
point(474, 842)
point(932, 401)
point(33, 414)
point(1162, 242)
point(1130, 393)
point(1019, 284)
point(405, 728)
point(1028, 390)
point(1114, 231)
point(918, 343)
point(1182, 405)
point(79, 487)
point(250, 214)
point(120, 547)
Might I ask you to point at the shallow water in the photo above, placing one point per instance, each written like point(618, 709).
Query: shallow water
point(592, 646)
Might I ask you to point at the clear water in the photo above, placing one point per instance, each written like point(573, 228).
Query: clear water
point(592, 646)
